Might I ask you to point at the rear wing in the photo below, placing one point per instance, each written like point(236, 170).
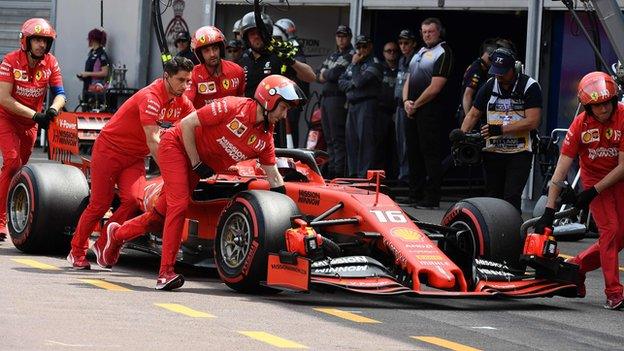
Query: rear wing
point(63, 141)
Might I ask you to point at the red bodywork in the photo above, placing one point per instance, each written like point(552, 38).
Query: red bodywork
point(381, 224)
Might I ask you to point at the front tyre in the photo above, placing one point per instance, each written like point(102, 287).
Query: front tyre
point(251, 227)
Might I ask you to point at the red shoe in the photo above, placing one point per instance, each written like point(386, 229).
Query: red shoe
point(78, 262)
point(614, 303)
point(169, 281)
point(106, 248)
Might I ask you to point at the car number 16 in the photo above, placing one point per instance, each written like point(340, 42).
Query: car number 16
point(390, 216)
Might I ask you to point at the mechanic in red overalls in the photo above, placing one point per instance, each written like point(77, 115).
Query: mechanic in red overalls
point(596, 137)
point(206, 142)
point(121, 147)
point(25, 75)
point(213, 77)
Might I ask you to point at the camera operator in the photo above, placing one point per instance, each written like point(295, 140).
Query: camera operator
point(512, 104)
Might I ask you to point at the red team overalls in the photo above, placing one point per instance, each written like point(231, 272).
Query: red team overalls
point(18, 134)
point(118, 157)
point(228, 134)
point(597, 146)
point(206, 87)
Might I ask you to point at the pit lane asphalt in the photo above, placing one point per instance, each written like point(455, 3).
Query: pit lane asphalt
point(42, 308)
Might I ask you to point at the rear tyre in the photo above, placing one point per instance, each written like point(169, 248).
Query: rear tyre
point(251, 227)
point(44, 203)
point(493, 228)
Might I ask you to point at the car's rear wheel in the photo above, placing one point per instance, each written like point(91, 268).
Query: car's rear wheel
point(44, 203)
point(491, 231)
point(250, 228)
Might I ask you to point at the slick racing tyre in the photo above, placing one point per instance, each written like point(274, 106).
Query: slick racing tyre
point(44, 203)
point(491, 231)
point(251, 227)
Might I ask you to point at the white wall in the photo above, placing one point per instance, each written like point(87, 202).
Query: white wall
point(75, 18)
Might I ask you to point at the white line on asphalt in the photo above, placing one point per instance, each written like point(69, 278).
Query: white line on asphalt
point(489, 328)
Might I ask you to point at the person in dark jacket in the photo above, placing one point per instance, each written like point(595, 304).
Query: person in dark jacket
point(362, 84)
point(333, 111)
point(386, 157)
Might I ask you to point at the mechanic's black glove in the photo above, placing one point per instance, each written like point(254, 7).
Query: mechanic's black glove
point(456, 135)
point(568, 196)
point(204, 171)
point(546, 220)
point(585, 198)
point(495, 129)
point(41, 119)
point(51, 113)
point(279, 189)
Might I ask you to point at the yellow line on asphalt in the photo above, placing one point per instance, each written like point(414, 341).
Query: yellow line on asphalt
point(104, 284)
point(444, 343)
point(568, 256)
point(35, 264)
point(346, 315)
point(174, 307)
point(273, 340)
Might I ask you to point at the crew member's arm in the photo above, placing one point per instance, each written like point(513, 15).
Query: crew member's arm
point(10, 104)
point(304, 71)
point(471, 119)
point(57, 90)
point(344, 82)
point(273, 176)
point(333, 74)
point(187, 126)
point(103, 73)
point(612, 177)
point(563, 166)
point(408, 105)
point(437, 83)
point(467, 99)
point(152, 137)
point(372, 73)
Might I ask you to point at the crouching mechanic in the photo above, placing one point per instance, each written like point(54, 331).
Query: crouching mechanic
point(121, 147)
point(204, 143)
point(25, 75)
point(596, 137)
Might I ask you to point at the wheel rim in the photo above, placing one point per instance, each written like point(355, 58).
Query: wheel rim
point(235, 240)
point(468, 244)
point(19, 208)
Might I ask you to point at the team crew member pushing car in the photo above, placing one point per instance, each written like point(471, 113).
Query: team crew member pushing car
point(25, 75)
point(596, 137)
point(119, 151)
point(206, 142)
point(214, 77)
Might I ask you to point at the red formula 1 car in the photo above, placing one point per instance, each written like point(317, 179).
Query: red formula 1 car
point(344, 233)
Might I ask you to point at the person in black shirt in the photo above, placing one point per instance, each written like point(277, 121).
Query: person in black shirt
point(512, 104)
point(474, 77)
point(386, 157)
point(234, 50)
point(95, 74)
point(258, 62)
point(183, 44)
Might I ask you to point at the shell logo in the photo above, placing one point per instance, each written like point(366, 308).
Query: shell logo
point(202, 87)
point(17, 74)
point(407, 234)
point(586, 137)
point(234, 125)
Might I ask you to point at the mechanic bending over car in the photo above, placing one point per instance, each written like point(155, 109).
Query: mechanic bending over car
point(206, 142)
point(121, 147)
point(596, 137)
point(213, 77)
point(25, 75)
point(512, 104)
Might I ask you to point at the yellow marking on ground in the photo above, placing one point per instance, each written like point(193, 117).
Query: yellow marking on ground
point(444, 343)
point(104, 284)
point(35, 264)
point(568, 256)
point(346, 315)
point(174, 307)
point(273, 340)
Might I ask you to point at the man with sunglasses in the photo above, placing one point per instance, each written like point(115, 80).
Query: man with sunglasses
point(361, 82)
point(386, 151)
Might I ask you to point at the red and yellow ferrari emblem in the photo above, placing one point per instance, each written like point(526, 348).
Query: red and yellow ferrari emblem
point(594, 95)
point(38, 75)
point(252, 139)
point(37, 29)
point(609, 133)
point(202, 39)
point(225, 83)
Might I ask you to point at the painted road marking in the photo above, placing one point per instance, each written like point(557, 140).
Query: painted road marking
point(444, 343)
point(568, 256)
point(273, 340)
point(104, 284)
point(346, 315)
point(174, 307)
point(35, 264)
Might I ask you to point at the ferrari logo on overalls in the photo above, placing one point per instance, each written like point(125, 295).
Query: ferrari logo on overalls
point(38, 75)
point(226, 84)
point(252, 139)
point(609, 133)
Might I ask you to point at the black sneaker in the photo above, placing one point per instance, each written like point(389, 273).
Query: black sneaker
point(169, 281)
point(427, 205)
point(614, 303)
